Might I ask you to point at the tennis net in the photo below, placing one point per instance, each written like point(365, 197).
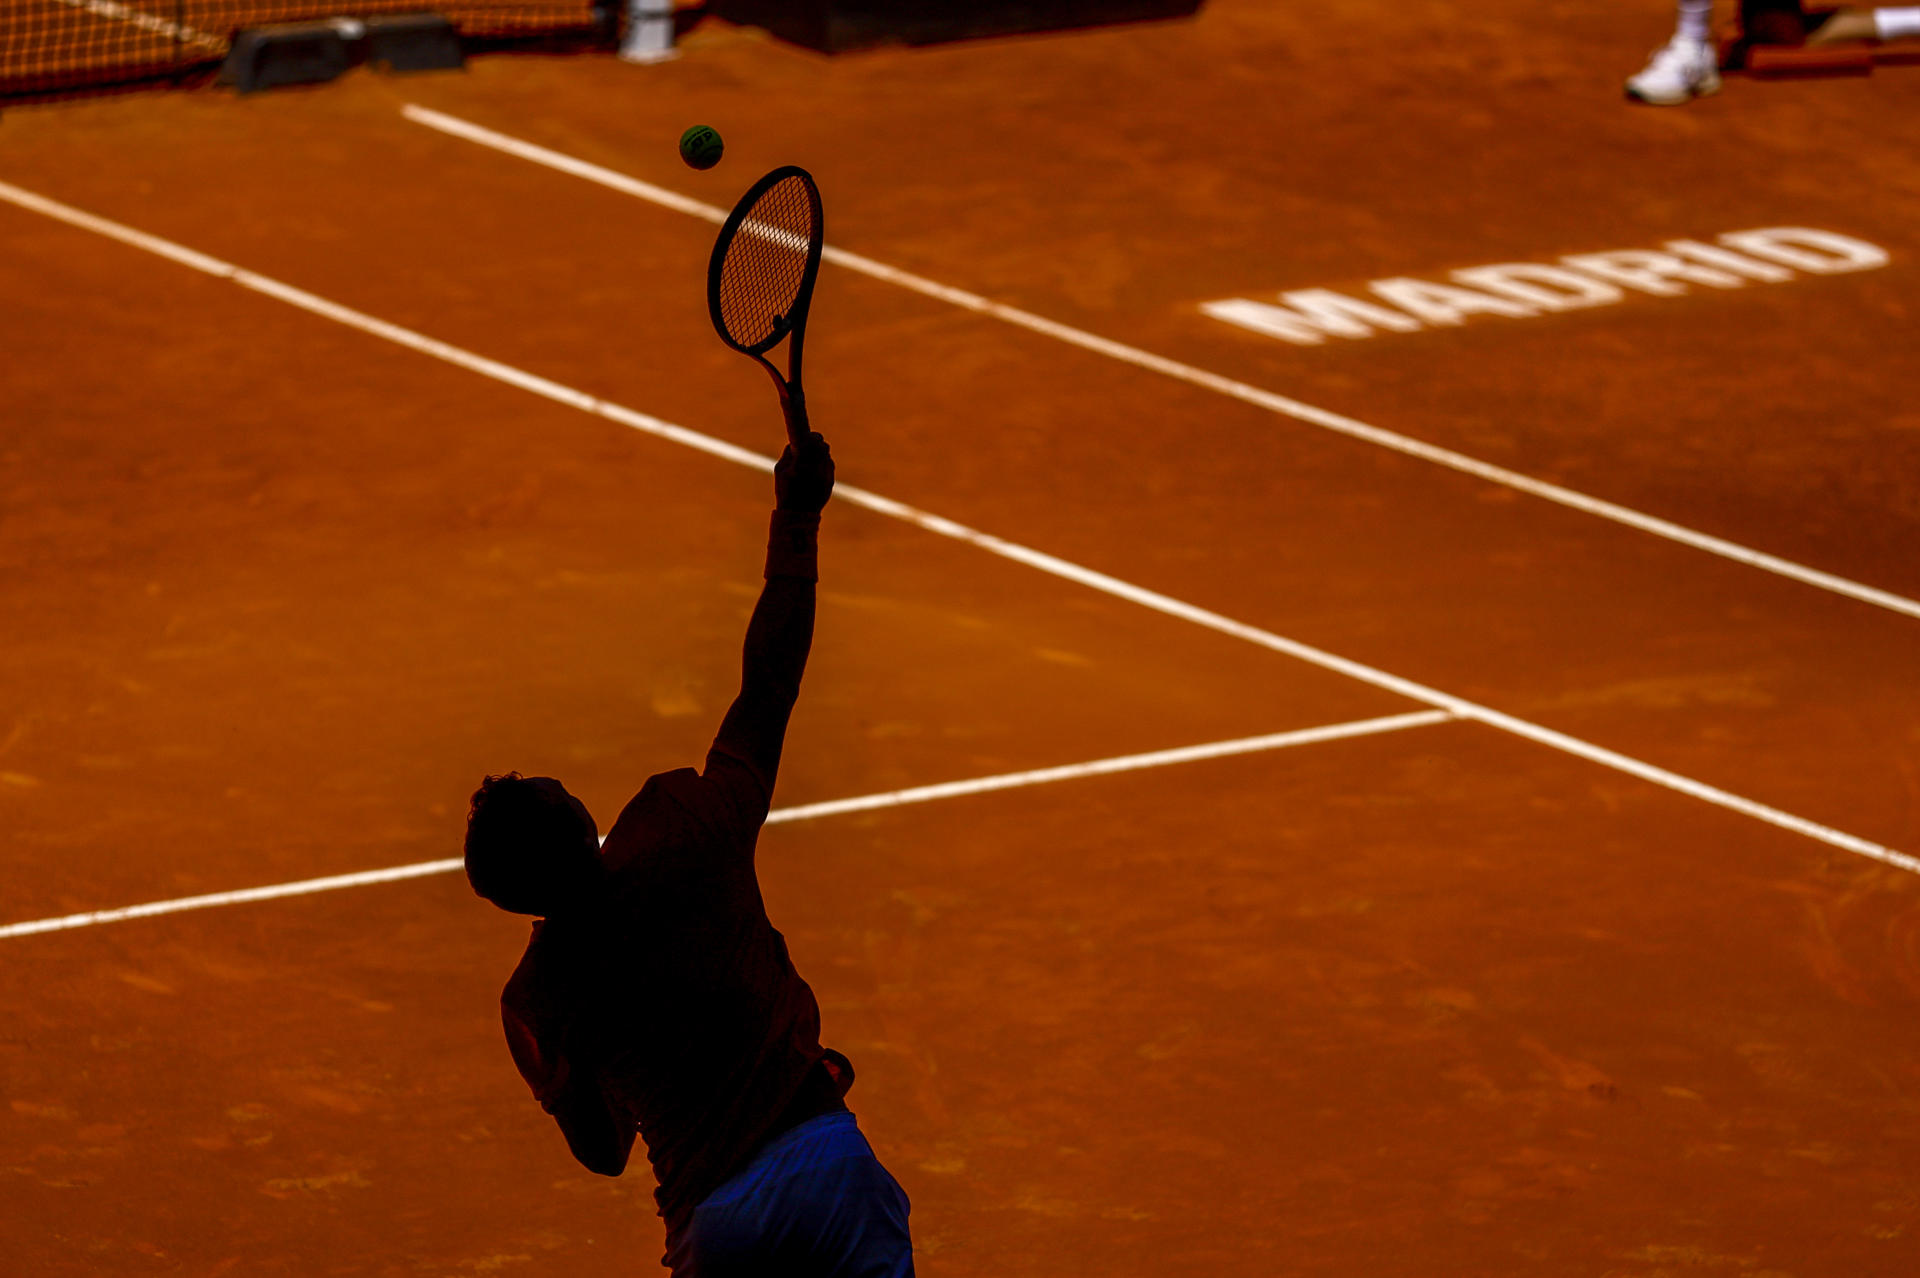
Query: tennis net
point(55, 47)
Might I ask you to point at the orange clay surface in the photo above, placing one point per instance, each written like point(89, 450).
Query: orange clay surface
point(1440, 1002)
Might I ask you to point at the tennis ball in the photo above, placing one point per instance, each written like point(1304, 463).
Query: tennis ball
point(701, 146)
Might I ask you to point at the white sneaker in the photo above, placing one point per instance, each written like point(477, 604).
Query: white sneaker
point(1679, 70)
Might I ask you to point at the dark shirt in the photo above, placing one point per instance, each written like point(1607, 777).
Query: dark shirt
point(668, 1005)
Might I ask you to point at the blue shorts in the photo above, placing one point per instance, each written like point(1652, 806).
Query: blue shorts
point(812, 1203)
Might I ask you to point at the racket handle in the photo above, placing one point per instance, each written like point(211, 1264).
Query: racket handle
point(793, 402)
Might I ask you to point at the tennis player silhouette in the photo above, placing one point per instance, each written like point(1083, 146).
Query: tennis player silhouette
point(656, 998)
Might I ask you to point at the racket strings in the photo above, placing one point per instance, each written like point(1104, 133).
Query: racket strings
point(764, 266)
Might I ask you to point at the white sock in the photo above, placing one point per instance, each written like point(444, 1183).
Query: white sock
point(1894, 24)
point(1695, 17)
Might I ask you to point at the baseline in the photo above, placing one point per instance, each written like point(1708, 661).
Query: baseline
point(1275, 403)
point(1050, 564)
point(802, 812)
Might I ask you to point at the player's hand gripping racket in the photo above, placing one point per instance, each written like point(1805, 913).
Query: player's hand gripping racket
point(760, 280)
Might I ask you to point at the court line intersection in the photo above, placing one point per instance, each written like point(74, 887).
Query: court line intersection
point(1458, 707)
point(799, 812)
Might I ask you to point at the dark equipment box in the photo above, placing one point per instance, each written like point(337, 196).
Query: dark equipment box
point(835, 26)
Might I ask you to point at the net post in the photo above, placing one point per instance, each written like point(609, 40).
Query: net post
point(649, 35)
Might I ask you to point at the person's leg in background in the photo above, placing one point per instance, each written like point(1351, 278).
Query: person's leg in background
point(1687, 66)
point(1856, 22)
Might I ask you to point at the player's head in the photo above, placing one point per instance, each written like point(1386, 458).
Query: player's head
point(532, 848)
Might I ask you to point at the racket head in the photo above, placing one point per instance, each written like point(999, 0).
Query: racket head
point(765, 259)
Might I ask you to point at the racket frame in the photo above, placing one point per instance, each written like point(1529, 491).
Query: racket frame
point(793, 403)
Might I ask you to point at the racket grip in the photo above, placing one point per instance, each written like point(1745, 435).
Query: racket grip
point(793, 402)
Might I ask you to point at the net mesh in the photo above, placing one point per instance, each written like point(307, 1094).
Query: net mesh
point(764, 265)
point(50, 47)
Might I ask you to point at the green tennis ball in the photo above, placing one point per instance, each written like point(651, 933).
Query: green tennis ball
point(701, 146)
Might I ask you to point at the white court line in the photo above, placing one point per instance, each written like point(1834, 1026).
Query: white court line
point(1125, 763)
point(331, 883)
point(1280, 404)
point(803, 812)
point(1046, 563)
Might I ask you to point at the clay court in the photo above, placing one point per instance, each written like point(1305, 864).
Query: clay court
point(1547, 906)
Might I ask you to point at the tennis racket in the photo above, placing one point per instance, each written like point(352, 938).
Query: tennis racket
point(760, 280)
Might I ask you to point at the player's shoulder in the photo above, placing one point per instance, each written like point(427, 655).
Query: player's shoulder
point(679, 788)
point(738, 781)
point(716, 795)
point(680, 784)
point(667, 811)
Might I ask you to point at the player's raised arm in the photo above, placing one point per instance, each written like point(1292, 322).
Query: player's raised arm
point(780, 633)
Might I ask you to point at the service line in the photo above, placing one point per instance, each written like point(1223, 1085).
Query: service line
point(1050, 564)
point(1242, 391)
point(801, 812)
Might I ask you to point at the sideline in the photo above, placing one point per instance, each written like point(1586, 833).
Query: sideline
point(1061, 568)
point(804, 812)
point(1280, 404)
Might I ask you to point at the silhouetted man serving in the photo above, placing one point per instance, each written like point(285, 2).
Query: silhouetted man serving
point(656, 998)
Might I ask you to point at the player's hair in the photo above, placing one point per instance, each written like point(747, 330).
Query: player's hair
point(524, 847)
